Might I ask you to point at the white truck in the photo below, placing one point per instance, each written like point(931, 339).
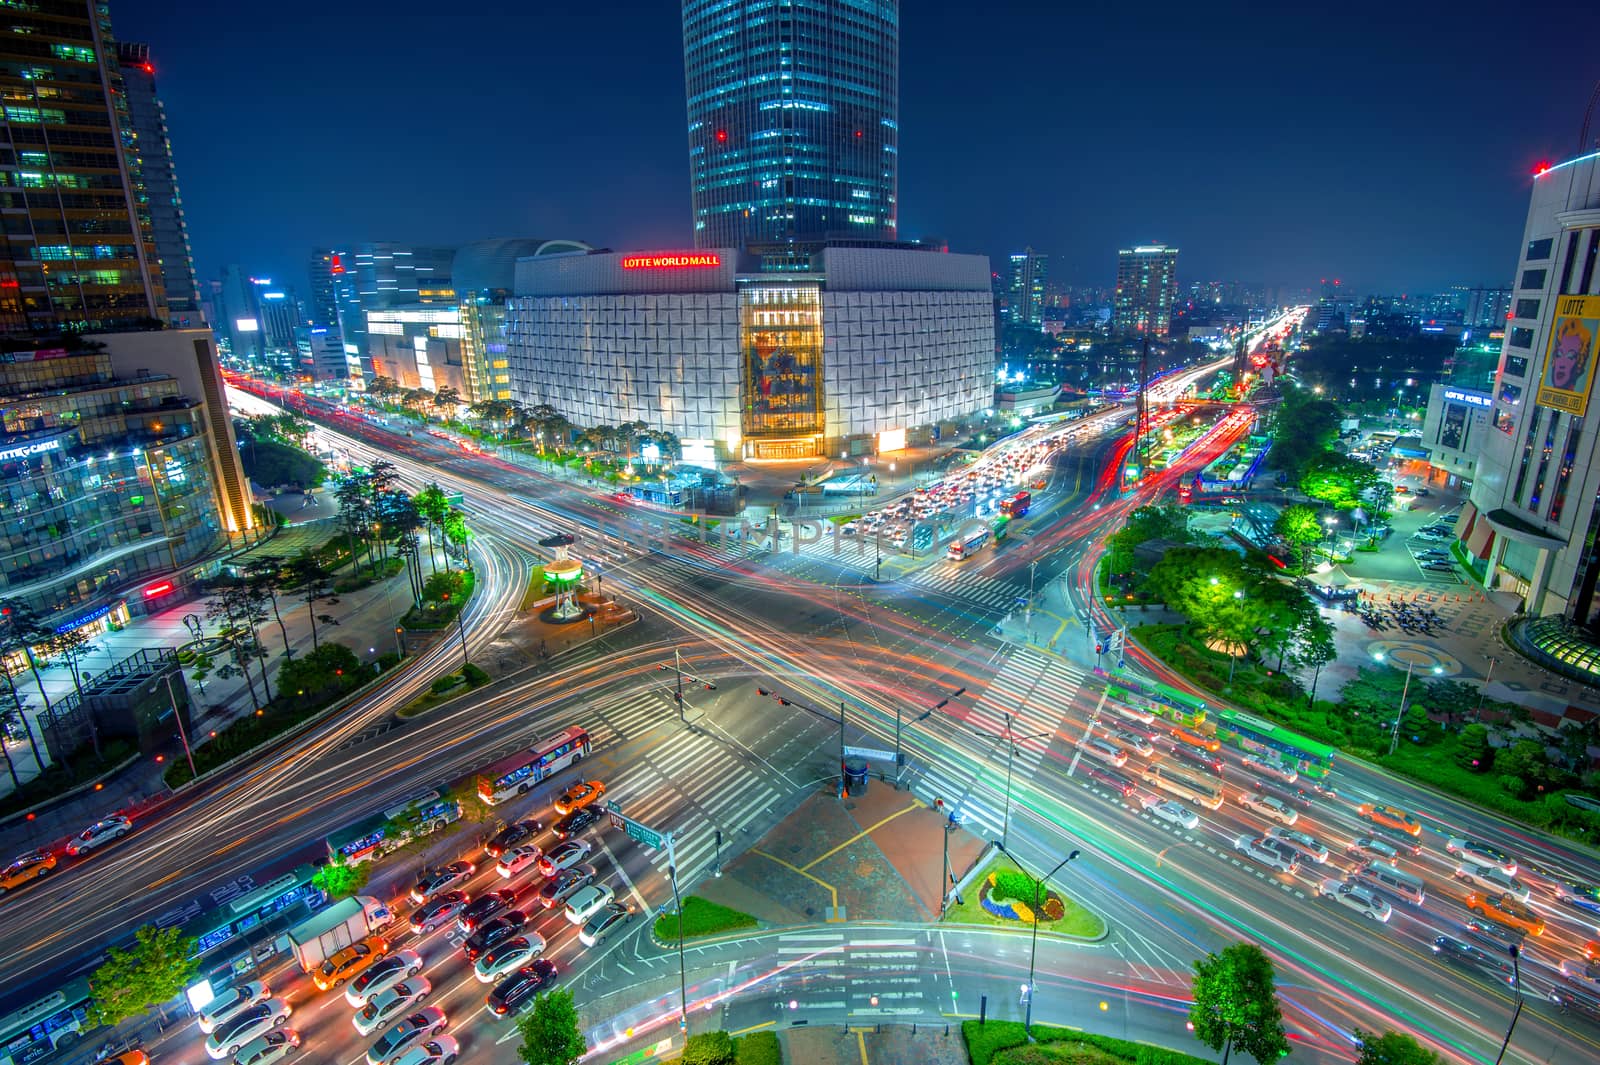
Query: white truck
point(337, 926)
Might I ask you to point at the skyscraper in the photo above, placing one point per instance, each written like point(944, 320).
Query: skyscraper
point(1025, 294)
point(381, 275)
point(793, 119)
point(1147, 290)
point(324, 309)
point(154, 151)
point(93, 265)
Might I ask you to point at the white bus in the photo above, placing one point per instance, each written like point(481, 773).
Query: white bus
point(968, 547)
point(1184, 786)
point(517, 774)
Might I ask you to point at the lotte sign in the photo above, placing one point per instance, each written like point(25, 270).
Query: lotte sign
point(687, 260)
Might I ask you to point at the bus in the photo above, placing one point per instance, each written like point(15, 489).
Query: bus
point(1184, 786)
point(519, 772)
point(1017, 505)
point(375, 836)
point(1171, 703)
point(1253, 734)
point(967, 548)
point(45, 1025)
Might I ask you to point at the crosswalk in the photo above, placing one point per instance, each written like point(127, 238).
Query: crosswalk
point(966, 584)
point(882, 981)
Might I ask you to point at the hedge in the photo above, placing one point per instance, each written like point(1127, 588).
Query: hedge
point(758, 1048)
point(988, 1043)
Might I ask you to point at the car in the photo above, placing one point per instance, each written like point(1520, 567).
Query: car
point(1459, 952)
point(1569, 997)
point(1306, 845)
point(1507, 911)
point(484, 907)
point(1136, 743)
point(1131, 713)
point(1424, 491)
point(602, 923)
point(1585, 897)
point(1439, 567)
point(518, 989)
point(1358, 897)
point(406, 1033)
point(564, 856)
point(1583, 972)
point(1267, 852)
point(96, 835)
point(578, 820)
point(1268, 806)
point(232, 1002)
point(497, 929)
point(440, 1050)
point(349, 962)
point(439, 910)
point(513, 835)
point(1196, 740)
point(1364, 847)
point(561, 887)
point(441, 879)
point(511, 954)
point(382, 975)
point(1287, 774)
point(391, 1004)
point(1490, 878)
point(1197, 758)
point(1120, 783)
point(246, 1025)
point(517, 859)
point(1390, 817)
point(26, 869)
point(1401, 490)
point(268, 1048)
point(1433, 554)
point(1494, 933)
point(586, 902)
point(580, 794)
point(1172, 812)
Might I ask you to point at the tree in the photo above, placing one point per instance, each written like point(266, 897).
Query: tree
point(129, 982)
point(1474, 752)
point(339, 878)
point(473, 809)
point(264, 577)
point(1337, 480)
point(384, 387)
point(313, 584)
point(1314, 648)
point(447, 399)
point(1527, 762)
point(1303, 428)
point(1300, 527)
point(434, 507)
point(1236, 1004)
point(73, 646)
point(1454, 700)
point(708, 1048)
point(550, 1032)
point(1392, 1048)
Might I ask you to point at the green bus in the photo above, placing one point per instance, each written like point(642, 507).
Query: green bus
point(1243, 730)
point(1161, 699)
point(374, 836)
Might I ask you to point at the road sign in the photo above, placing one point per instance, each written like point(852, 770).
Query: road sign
point(871, 754)
point(636, 831)
point(454, 499)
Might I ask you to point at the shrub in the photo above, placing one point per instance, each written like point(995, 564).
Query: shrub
point(1053, 910)
point(387, 661)
point(1012, 886)
point(445, 683)
point(758, 1048)
point(1512, 784)
point(1473, 751)
point(475, 675)
point(708, 1048)
point(701, 917)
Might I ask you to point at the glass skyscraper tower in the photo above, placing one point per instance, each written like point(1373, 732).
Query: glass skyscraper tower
point(793, 118)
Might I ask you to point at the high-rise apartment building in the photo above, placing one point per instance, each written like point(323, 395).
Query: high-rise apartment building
point(77, 250)
point(793, 109)
point(323, 307)
point(380, 276)
point(1025, 293)
point(1147, 290)
point(153, 148)
point(1487, 308)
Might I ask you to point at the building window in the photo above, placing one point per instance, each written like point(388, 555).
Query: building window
point(1527, 309)
point(1532, 279)
point(1559, 494)
point(1589, 260)
point(1521, 337)
point(1567, 263)
point(1539, 250)
point(1527, 452)
point(1510, 393)
point(1546, 452)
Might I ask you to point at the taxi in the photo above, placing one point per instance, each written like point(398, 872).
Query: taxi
point(1507, 910)
point(1195, 739)
point(349, 962)
point(26, 869)
point(1391, 817)
point(580, 794)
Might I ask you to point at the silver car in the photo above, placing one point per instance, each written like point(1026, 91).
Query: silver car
point(1490, 878)
point(1306, 845)
point(1358, 897)
point(407, 1033)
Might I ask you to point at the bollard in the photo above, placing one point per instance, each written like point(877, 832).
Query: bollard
point(913, 1029)
point(983, 1009)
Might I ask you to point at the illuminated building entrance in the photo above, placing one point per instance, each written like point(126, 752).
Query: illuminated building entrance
point(780, 336)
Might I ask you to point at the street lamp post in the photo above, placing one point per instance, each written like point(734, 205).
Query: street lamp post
point(183, 733)
point(1483, 692)
point(1012, 739)
point(899, 759)
point(1033, 949)
point(1516, 980)
point(1405, 689)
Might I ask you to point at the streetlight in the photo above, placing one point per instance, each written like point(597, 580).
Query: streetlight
point(1394, 738)
point(1483, 692)
point(899, 759)
point(183, 733)
point(1033, 950)
point(1516, 981)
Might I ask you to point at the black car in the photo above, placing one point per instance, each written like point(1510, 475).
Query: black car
point(1196, 757)
point(484, 907)
point(1496, 935)
point(513, 834)
point(578, 820)
point(1458, 952)
point(495, 931)
point(512, 993)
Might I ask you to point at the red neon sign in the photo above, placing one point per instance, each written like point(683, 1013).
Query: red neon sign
point(158, 589)
point(683, 260)
point(336, 267)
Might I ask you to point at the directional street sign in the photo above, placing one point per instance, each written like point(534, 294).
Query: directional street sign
point(636, 831)
point(871, 754)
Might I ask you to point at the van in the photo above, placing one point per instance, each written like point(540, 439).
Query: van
point(1396, 882)
point(1106, 752)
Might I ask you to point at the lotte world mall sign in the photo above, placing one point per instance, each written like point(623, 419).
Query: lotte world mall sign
point(682, 260)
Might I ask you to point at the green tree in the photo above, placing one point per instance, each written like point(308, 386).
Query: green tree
point(1392, 1048)
point(1303, 428)
point(433, 506)
point(1300, 527)
point(1453, 700)
point(1474, 752)
point(1416, 724)
point(1236, 1004)
point(708, 1048)
point(550, 1032)
point(473, 809)
point(1314, 648)
point(339, 879)
point(1337, 480)
point(1525, 760)
point(129, 982)
point(1143, 525)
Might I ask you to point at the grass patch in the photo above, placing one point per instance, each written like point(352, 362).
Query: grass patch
point(536, 589)
point(1074, 919)
point(701, 917)
point(1005, 1043)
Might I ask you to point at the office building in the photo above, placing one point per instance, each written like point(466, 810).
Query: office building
point(379, 276)
point(1487, 308)
point(752, 354)
point(484, 275)
point(320, 355)
point(71, 135)
point(1533, 515)
point(323, 307)
point(153, 147)
point(793, 119)
point(1025, 293)
point(1147, 290)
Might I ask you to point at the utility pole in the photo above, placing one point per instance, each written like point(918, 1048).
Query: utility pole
point(844, 791)
point(899, 756)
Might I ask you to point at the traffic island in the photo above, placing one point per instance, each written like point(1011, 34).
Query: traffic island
point(1004, 898)
point(1007, 1043)
point(700, 918)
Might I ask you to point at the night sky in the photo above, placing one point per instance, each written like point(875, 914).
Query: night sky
point(1377, 143)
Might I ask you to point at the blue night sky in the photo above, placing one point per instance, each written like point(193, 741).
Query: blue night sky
point(1385, 144)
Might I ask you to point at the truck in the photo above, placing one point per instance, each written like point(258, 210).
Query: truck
point(332, 929)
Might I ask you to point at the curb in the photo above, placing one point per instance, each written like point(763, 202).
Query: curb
point(50, 803)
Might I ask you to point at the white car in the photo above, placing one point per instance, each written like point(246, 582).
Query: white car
point(1470, 850)
point(1136, 743)
point(391, 1004)
point(1279, 857)
point(517, 859)
point(1267, 806)
point(1273, 769)
point(266, 1049)
point(1492, 879)
point(381, 975)
point(440, 1050)
point(1306, 845)
point(1358, 897)
point(114, 827)
point(512, 954)
point(1171, 811)
point(589, 901)
point(230, 1003)
point(246, 1025)
point(407, 1033)
point(564, 856)
point(1579, 971)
